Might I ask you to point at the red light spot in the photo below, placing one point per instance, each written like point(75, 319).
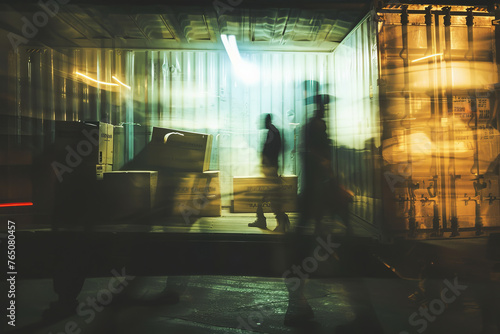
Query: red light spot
point(4, 205)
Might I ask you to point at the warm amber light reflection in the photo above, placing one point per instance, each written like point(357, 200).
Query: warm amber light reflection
point(121, 83)
point(427, 57)
point(96, 81)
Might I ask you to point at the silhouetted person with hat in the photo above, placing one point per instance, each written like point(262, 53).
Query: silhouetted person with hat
point(321, 192)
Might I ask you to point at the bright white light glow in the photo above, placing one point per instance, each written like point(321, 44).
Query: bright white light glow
point(234, 46)
point(245, 70)
point(426, 57)
point(231, 48)
point(121, 83)
point(96, 81)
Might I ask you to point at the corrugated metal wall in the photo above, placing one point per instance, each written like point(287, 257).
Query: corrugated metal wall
point(404, 121)
point(355, 122)
point(434, 76)
point(440, 145)
point(190, 90)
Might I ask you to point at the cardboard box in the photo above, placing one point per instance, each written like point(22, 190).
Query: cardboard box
point(92, 142)
point(211, 191)
point(179, 150)
point(203, 197)
point(129, 193)
point(190, 194)
point(105, 142)
point(109, 144)
point(249, 191)
point(118, 147)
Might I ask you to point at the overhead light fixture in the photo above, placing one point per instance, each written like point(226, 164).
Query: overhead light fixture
point(231, 48)
point(426, 57)
point(245, 70)
point(121, 83)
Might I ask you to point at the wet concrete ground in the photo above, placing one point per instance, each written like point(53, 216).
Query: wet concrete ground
point(349, 292)
point(216, 304)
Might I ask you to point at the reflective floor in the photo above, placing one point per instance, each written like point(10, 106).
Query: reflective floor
point(235, 223)
point(438, 286)
point(225, 304)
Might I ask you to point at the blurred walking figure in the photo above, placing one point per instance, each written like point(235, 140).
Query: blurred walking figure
point(321, 192)
point(270, 154)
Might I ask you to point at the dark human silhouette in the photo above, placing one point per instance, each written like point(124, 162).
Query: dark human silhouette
point(321, 191)
point(270, 153)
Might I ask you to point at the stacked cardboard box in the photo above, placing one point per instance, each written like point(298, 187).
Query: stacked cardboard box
point(182, 186)
point(84, 145)
point(101, 169)
point(179, 150)
point(80, 154)
point(201, 196)
point(249, 192)
point(129, 193)
point(118, 147)
point(190, 194)
point(136, 194)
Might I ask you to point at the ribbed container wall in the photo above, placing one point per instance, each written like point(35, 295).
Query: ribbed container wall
point(355, 121)
point(189, 90)
point(440, 139)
